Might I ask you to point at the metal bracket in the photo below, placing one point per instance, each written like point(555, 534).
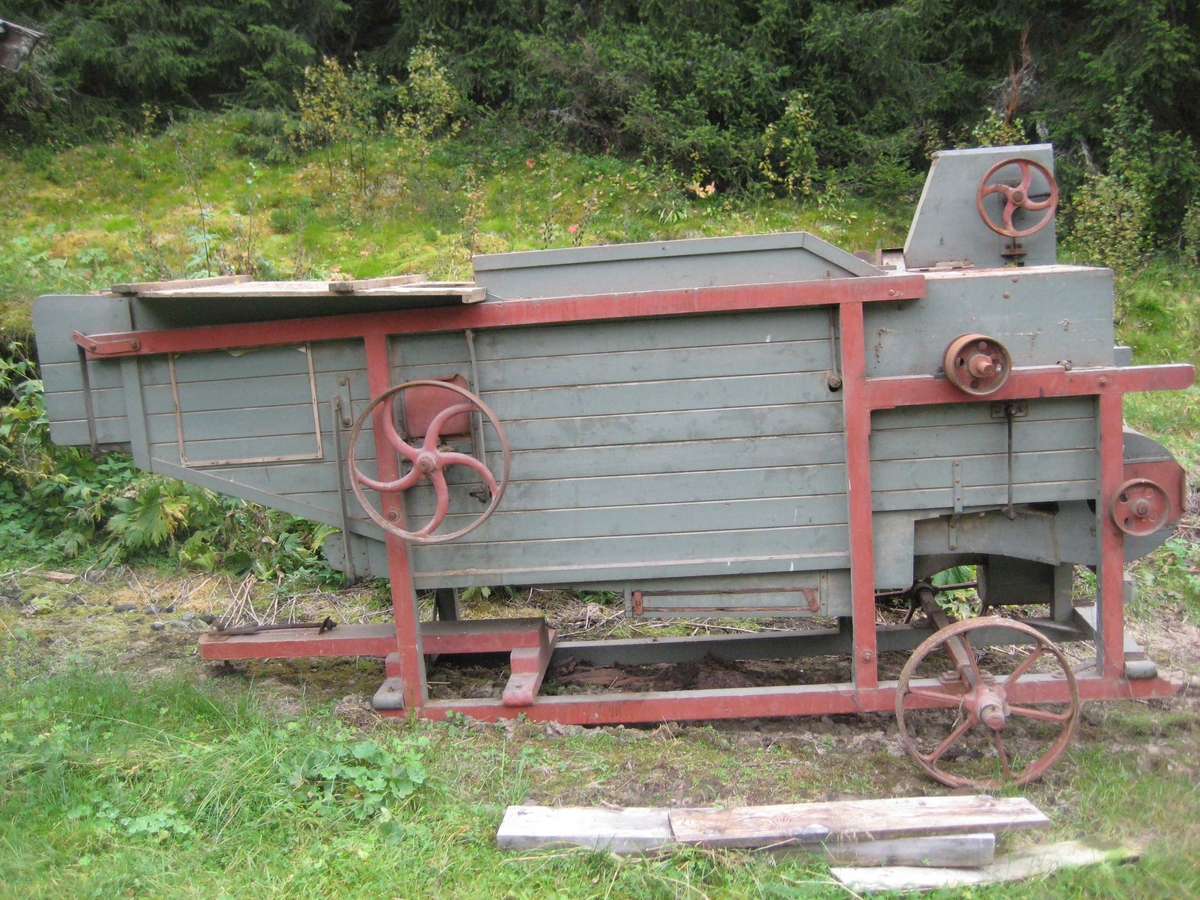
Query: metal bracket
point(88, 409)
point(958, 505)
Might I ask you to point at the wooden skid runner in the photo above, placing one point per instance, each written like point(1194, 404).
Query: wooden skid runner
point(887, 830)
point(528, 642)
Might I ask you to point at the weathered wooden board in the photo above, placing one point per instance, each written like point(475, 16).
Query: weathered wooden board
point(645, 830)
point(954, 850)
point(628, 831)
point(756, 826)
point(1016, 866)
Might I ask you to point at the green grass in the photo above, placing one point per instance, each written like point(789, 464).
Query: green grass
point(165, 789)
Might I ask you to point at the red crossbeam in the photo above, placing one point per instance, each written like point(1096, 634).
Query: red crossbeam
point(472, 636)
point(1030, 383)
point(507, 314)
point(769, 702)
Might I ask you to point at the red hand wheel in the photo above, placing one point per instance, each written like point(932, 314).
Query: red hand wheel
point(1017, 197)
point(427, 461)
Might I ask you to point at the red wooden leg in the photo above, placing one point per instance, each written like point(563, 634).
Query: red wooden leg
point(528, 669)
point(404, 597)
point(858, 474)
point(1110, 587)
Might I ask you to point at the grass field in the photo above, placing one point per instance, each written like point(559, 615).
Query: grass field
point(129, 769)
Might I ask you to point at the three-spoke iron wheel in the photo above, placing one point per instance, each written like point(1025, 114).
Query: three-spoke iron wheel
point(962, 728)
point(427, 461)
point(1017, 197)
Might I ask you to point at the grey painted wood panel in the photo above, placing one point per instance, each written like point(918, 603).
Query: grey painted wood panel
point(916, 443)
point(328, 357)
point(236, 423)
point(687, 425)
point(640, 365)
point(660, 396)
point(200, 453)
point(980, 413)
point(664, 266)
point(613, 521)
point(551, 341)
point(682, 456)
point(984, 495)
point(65, 376)
point(1041, 316)
point(729, 484)
point(910, 474)
point(264, 391)
point(798, 549)
point(68, 406)
point(75, 433)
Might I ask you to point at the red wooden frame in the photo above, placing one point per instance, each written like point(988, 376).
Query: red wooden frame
point(505, 314)
point(861, 395)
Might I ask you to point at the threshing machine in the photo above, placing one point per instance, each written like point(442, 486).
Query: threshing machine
point(762, 426)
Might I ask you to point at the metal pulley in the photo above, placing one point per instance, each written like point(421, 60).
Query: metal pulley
point(1140, 507)
point(977, 364)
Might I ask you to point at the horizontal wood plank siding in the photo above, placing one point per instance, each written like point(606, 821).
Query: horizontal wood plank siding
point(913, 452)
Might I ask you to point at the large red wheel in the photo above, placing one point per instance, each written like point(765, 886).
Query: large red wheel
point(427, 461)
point(963, 730)
point(1017, 197)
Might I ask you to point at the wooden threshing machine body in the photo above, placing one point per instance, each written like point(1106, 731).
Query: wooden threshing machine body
point(757, 426)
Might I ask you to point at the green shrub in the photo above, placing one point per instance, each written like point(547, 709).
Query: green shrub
point(1110, 222)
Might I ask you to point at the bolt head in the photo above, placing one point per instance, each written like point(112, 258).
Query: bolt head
point(867, 655)
point(393, 515)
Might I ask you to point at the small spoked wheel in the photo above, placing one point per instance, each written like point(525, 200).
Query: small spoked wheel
point(964, 730)
point(1017, 197)
point(427, 461)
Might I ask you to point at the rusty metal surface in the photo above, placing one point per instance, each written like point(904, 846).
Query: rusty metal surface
point(977, 364)
point(427, 462)
point(1017, 197)
point(1140, 507)
point(985, 701)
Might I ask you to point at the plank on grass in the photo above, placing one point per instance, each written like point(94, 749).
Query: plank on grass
point(944, 850)
point(631, 830)
point(1009, 867)
point(757, 826)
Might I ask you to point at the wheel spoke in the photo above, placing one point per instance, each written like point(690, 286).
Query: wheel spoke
point(1026, 177)
point(443, 502)
point(1037, 205)
point(1030, 712)
point(947, 743)
point(969, 652)
point(433, 433)
point(936, 696)
point(1025, 665)
point(389, 487)
point(1009, 209)
point(1002, 754)
point(462, 459)
point(393, 437)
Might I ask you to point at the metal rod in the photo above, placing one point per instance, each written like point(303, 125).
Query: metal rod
point(1008, 417)
point(89, 411)
point(476, 415)
point(336, 404)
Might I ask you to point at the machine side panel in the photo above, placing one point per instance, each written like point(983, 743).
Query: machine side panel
point(54, 318)
point(666, 448)
point(1043, 316)
point(913, 454)
point(665, 265)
